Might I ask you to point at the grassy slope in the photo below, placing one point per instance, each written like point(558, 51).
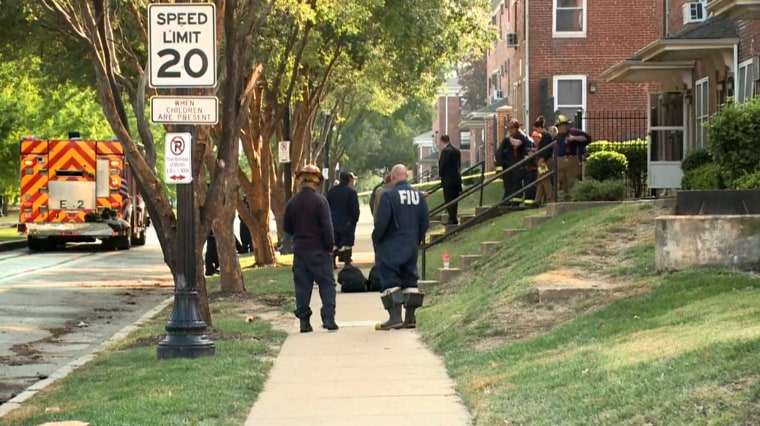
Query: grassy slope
point(681, 348)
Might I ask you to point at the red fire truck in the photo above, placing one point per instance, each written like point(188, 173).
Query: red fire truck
point(77, 190)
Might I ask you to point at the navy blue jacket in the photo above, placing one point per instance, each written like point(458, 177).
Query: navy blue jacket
point(344, 207)
point(307, 219)
point(511, 155)
point(573, 148)
point(401, 221)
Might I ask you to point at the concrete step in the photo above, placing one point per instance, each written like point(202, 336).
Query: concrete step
point(561, 294)
point(481, 210)
point(466, 261)
point(465, 217)
point(447, 274)
point(533, 221)
point(489, 246)
point(450, 228)
point(426, 284)
point(510, 233)
point(435, 224)
point(435, 235)
point(437, 217)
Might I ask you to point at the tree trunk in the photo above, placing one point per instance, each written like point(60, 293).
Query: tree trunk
point(232, 276)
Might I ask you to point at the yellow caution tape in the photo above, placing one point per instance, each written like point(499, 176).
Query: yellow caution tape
point(436, 182)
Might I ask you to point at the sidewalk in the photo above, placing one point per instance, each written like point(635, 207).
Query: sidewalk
point(357, 376)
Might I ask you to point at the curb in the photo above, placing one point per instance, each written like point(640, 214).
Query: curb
point(69, 368)
point(13, 245)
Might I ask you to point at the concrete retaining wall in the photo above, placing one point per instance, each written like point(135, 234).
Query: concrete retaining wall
point(683, 242)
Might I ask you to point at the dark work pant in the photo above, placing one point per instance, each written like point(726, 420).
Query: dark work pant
point(212, 257)
point(530, 177)
point(451, 192)
point(397, 269)
point(245, 239)
point(513, 181)
point(309, 268)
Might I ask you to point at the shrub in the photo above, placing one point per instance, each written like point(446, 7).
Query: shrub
point(606, 165)
point(695, 159)
point(594, 190)
point(635, 152)
point(748, 181)
point(733, 139)
point(706, 176)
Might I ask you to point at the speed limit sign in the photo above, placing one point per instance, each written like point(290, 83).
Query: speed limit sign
point(182, 44)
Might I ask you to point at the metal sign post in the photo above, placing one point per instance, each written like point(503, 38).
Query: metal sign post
point(182, 52)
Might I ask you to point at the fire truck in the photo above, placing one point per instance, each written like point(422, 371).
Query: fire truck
point(77, 190)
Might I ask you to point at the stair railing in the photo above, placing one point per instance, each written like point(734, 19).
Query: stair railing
point(472, 221)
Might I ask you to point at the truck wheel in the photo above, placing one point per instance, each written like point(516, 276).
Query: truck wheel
point(139, 239)
point(34, 244)
point(123, 242)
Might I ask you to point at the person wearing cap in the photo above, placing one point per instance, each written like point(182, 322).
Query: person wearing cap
point(307, 219)
point(514, 148)
point(449, 164)
point(344, 209)
point(571, 143)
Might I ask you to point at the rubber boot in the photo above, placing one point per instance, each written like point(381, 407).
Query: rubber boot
point(344, 255)
point(412, 300)
point(328, 319)
point(392, 300)
point(304, 315)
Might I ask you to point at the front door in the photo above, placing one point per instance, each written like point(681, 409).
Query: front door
point(667, 116)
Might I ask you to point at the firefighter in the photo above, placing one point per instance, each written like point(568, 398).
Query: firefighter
point(307, 219)
point(513, 148)
point(401, 221)
point(570, 145)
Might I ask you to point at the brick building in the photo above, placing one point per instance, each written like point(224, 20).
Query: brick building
point(705, 57)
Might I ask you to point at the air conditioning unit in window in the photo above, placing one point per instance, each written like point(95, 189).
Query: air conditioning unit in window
point(512, 39)
point(694, 12)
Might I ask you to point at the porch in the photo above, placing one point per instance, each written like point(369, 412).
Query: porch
point(678, 111)
point(735, 9)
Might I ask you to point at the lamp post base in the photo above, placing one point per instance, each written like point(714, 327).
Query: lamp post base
point(176, 346)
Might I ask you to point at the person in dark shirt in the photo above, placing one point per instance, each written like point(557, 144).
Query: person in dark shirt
point(307, 219)
point(449, 164)
point(513, 149)
point(344, 209)
point(401, 221)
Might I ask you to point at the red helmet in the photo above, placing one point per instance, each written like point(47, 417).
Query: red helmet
point(310, 173)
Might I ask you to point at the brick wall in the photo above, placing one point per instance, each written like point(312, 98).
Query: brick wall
point(611, 36)
point(440, 122)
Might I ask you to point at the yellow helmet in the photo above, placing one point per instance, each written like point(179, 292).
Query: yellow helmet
point(561, 119)
point(310, 173)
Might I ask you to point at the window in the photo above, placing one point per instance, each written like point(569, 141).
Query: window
point(702, 110)
point(569, 94)
point(745, 89)
point(569, 18)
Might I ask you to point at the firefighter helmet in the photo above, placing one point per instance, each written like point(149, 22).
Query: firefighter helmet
point(310, 173)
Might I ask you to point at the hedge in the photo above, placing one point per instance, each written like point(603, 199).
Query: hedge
point(606, 165)
point(635, 152)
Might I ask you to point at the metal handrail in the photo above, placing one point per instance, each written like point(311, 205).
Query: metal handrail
point(439, 185)
point(466, 224)
point(420, 176)
point(483, 184)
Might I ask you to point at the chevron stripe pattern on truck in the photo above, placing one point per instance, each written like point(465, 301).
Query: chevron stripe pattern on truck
point(66, 158)
point(34, 180)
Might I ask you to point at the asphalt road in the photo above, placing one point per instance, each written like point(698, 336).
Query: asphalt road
point(58, 306)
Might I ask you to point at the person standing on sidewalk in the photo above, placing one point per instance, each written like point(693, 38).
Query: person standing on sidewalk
point(377, 193)
point(307, 219)
point(401, 221)
point(449, 164)
point(344, 209)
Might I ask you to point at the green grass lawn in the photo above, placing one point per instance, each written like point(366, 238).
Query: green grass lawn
point(9, 234)
point(678, 348)
point(128, 386)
